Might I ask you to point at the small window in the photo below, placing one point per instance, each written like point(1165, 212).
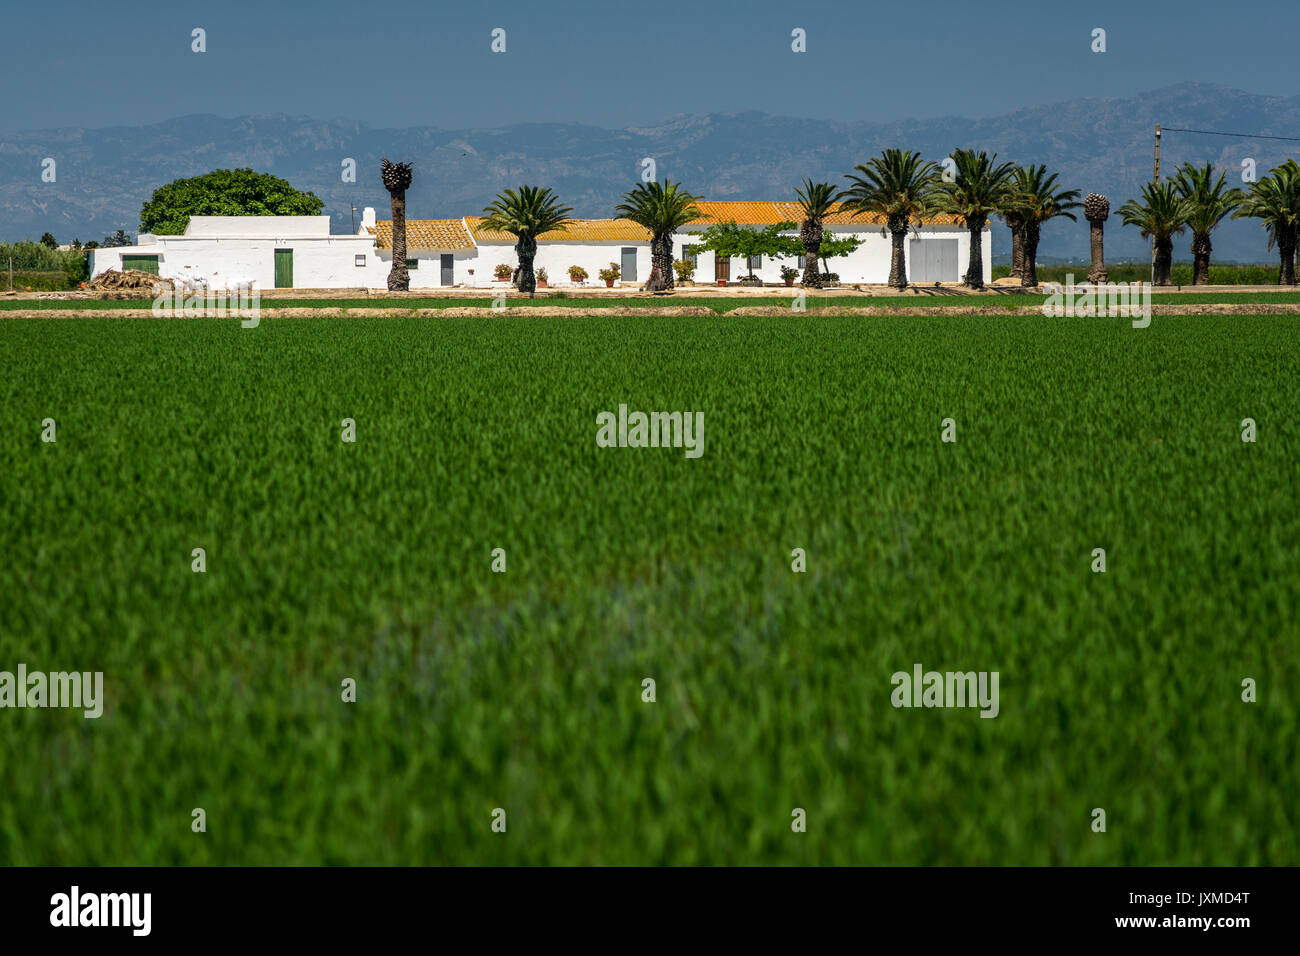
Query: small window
point(691, 256)
point(754, 262)
point(359, 260)
point(412, 263)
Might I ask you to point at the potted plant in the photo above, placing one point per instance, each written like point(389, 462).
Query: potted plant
point(685, 270)
point(577, 275)
point(542, 278)
point(503, 272)
point(611, 274)
point(789, 275)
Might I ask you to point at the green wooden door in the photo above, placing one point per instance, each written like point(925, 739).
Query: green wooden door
point(143, 263)
point(284, 268)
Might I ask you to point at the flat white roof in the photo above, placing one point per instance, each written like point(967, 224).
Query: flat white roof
point(250, 227)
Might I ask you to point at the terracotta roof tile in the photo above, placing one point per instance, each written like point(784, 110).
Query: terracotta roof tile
point(578, 230)
point(770, 213)
point(425, 234)
point(464, 234)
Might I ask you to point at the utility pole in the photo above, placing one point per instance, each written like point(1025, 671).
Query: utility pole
point(1157, 181)
point(354, 219)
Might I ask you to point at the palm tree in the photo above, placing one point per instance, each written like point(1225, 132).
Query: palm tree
point(526, 214)
point(898, 186)
point(1275, 199)
point(1016, 223)
point(1096, 209)
point(816, 200)
point(662, 208)
point(978, 190)
point(1035, 199)
point(1160, 214)
point(1208, 204)
point(397, 179)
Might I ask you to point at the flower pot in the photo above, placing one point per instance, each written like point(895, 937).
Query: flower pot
point(541, 283)
point(722, 283)
point(609, 283)
point(789, 283)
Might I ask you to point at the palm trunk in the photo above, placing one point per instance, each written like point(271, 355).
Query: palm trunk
point(399, 279)
point(1286, 245)
point(1201, 249)
point(525, 280)
point(1163, 260)
point(812, 277)
point(897, 260)
point(1017, 250)
point(974, 277)
point(1029, 271)
point(661, 264)
point(810, 234)
point(1096, 234)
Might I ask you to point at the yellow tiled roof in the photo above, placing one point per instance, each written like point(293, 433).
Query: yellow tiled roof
point(453, 234)
point(770, 213)
point(425, 234)
point(578, 230)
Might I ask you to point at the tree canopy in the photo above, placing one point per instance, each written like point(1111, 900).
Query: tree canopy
point(224, 192)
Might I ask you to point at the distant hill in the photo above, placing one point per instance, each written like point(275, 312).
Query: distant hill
point(1102, 145)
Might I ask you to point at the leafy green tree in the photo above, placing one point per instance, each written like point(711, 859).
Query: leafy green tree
point(978, 190)
point(49, 241)
point(223, 192)
point(899, 187)
point(119, 238)
point(832, 247)
point(1159, 215)
point(730, 240)
point(526, 214)
point(662, 208)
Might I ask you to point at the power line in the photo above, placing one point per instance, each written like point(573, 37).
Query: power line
point(1212, 132)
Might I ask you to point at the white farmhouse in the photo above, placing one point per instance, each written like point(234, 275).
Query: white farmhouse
point(298, 252)
point(270, 252)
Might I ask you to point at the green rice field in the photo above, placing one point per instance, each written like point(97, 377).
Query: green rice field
point(372, 561)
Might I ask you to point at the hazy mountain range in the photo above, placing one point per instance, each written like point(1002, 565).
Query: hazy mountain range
point(1098, 144)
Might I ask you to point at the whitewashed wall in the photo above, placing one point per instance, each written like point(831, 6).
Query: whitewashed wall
point(869, 263)
point(556, 257)
point(318, 263)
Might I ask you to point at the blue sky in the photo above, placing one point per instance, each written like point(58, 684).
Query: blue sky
point(616, 63)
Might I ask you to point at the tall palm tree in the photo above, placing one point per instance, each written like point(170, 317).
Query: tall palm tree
point(1160, 214)
point(526, 214)
point(1016, 223)
point(1096, 209)
point(979, 189)
point(1275, 199)
point(397, 179)
point(898, 186)
point(816, 200)
point(662, 208)
point(1208, 204)
point(1036, 199)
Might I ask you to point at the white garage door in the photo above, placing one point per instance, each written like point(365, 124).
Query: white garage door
point(933, 260)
